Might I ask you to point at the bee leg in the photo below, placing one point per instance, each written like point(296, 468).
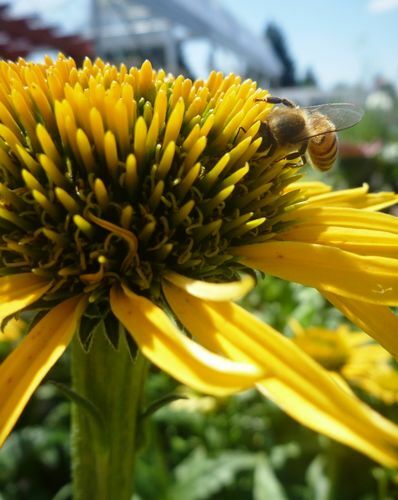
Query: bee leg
point(268, 143)
point(303, 148)
point(237, 133)
point(303, 152)
point(278, 100)
point(293, 156)
point(266, 152)
point(300, 153)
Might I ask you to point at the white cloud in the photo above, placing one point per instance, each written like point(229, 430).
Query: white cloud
point(378, 6)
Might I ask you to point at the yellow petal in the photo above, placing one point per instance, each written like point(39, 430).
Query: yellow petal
point(345, 217)
point(358, 200)
point(342, 195)
point(350, 229)
point(377, 201)
point(320, 195)
point(24, 369)
point(234, 290)
point(304, 412)
point(367, 278)
point(20, 290)
point(360, 241)
point(176, 354)
point(377, 321)
point(310, 188)
point(294, 381)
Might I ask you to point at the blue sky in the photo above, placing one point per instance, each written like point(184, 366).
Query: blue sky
point(346, 41)
point(343, 41)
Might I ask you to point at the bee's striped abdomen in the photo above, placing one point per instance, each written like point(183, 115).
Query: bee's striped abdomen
point(322, 150)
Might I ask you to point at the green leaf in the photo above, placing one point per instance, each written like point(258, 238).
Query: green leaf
point(160, 403)
point(65, 493)
point(91, 410)
point(318, 478)
point(200, 476)
point(266, 484)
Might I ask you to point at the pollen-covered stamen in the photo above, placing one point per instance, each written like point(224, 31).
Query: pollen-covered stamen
point(113, 174)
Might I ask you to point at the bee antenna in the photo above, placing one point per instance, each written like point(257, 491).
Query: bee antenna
point(277, 100)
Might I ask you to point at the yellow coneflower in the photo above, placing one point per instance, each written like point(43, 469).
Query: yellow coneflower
point(353, 356)
point(130, 197)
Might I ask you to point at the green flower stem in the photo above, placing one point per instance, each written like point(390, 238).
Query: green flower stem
point(333, 467)
point(105, 426)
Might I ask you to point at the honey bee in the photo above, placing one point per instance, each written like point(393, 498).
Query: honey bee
point(308, 131)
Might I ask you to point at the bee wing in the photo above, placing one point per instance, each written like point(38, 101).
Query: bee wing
point(340, 116)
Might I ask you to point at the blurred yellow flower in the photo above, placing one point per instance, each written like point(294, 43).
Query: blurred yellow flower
point(382, 384)
point(128, 193)
point(13, 330)
point(192, 402)
point(352, 355)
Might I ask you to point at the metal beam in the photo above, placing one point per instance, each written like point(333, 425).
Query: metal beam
point(206, 18)
point(126, 24)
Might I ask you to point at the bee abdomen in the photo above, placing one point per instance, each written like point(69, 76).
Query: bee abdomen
point(323, 151)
